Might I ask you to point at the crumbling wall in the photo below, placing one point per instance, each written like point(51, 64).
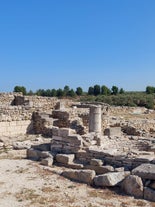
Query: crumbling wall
point(16, 112)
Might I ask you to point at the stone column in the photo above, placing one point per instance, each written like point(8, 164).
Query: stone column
point(95, 119)
point(61, 105)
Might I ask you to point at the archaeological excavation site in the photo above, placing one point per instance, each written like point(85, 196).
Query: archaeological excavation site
point(96, 144)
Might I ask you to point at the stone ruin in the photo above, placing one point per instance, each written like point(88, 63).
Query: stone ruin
point(96, 144)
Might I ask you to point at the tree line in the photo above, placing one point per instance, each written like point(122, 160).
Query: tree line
point(112, 96)
point(67, 91)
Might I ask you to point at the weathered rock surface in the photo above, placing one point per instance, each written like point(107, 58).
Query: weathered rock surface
point(146, 171)
point(65, 158)
point(47, 161)
point(109, 179)
point(22, 145)
point(133, 186)
point(100, 169)
point(84, 176)
point(96, 162)
point(149, 194)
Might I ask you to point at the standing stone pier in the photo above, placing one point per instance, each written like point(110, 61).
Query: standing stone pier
point(95, 119)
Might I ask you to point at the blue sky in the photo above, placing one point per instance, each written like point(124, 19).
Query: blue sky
point(52, 43)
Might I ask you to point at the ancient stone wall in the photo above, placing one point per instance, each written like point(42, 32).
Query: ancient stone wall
point(11, 128)
point(16, 112)
point(6, 99)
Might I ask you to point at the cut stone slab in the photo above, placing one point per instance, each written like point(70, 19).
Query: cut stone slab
point(149, 194)
point(96, 162)
point(145, 171)
point(113, 131)
point(33, 154)
point(100, 169)
point(22, 145)
point(64, 132)
point(47, 161)
point(75, 166)
point(133, 185)
point(109, 179)
point(83, 176)
point(65, 158)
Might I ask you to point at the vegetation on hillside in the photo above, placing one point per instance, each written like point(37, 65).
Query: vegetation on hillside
point(113, 96)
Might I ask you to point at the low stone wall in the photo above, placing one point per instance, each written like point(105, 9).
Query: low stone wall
point(15, 127)
point(7, 99)
point(16, 113)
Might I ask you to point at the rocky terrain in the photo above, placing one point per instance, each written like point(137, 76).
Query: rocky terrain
point(25, 183)
point(60, 153)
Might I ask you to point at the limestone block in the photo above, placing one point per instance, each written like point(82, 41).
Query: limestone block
point(149, 194)
point(4, 124)
point(75, 166)
point(109, 179)
point(47, 161)
point(45, 154)
point(65, 158)
point(13, 123)
point(42, 147)
point(119, 169)
point(55, 131)
point(144, 158)
point(96, 162)
point(146, 171)
point(100, 169)
point(64, 132)
point(33, 154)
point(81, 154)
point(57, 138)
point(21, 145)
point(133, 185)
point(84, 176)
point(113, 131)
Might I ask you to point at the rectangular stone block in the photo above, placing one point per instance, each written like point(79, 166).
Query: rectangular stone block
point(145, 171)
point(65, 132)
point(113, 131)
point(65, 158)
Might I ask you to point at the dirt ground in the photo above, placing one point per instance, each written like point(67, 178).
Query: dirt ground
point(25, 183)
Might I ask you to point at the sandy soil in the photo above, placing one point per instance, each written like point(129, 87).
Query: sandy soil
point(24, 183)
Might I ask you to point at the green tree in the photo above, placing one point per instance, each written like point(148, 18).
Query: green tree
point(121, 91)
point(97, 90)
point(105, 90)
point(71, 93)
point(60, 92)
point(20, 89)
point(114, 90)
point(40, 92)
point(53, 92)
point(150, 89)
point(91, 90)
point(79, 91)
point(66, 90)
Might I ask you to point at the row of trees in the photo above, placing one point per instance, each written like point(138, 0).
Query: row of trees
point(113, 96)
point(104, 90)
point(66, 91)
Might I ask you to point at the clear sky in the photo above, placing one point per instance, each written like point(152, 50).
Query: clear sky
point(52, 43)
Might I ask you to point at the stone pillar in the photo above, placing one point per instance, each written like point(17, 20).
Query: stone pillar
point(95, 119)
point(60, 105)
